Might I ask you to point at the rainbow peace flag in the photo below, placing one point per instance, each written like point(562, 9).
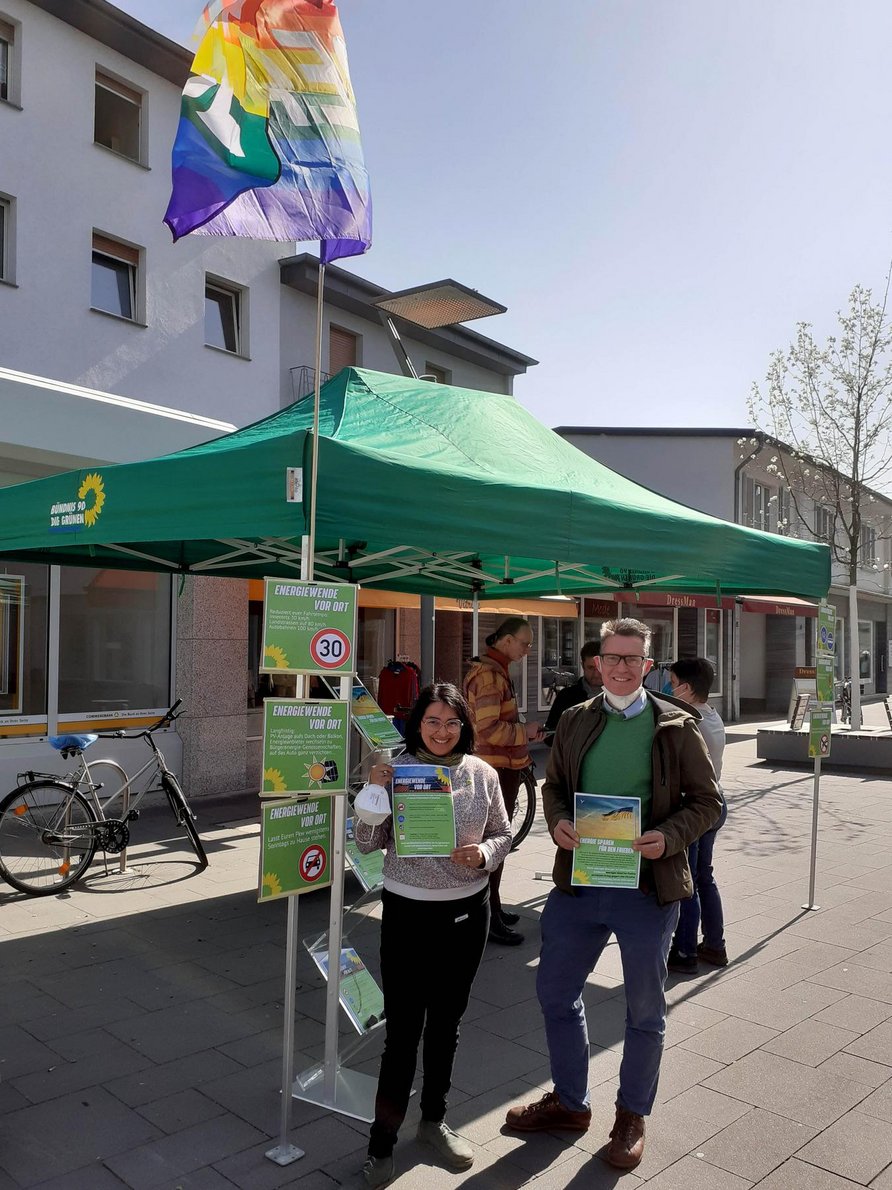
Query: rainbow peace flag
point(268, 142)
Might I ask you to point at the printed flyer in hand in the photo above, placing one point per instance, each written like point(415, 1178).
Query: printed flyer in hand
point(606, 827)
point(423, 812)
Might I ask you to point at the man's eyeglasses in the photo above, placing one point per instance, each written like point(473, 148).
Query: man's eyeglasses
point(449, 724)
point(524, 644)
point(633, 660)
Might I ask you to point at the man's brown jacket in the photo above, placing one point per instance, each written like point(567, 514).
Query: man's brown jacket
point(686, 798)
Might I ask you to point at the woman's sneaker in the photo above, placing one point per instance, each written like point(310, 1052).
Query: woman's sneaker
point(685, 964)
point(454, 1149)
point(710, 954)
point(378, 1172)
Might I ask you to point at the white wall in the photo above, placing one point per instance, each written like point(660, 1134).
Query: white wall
point(752, 656)
point(696, 470)
point(65, 186)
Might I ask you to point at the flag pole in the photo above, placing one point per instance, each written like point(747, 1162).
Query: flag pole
point(314, 453)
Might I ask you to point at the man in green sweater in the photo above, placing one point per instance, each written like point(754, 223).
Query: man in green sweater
point(632, 743)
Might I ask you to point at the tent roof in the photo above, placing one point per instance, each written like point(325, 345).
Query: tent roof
point(422, 487)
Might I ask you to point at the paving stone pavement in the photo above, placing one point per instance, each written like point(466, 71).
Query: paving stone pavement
point(141, 1020)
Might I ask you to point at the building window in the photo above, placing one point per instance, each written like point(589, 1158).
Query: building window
point(24, 604)
point(343, 349)
point(223, 322)
point(7, 41)
point(117, 121)
point(7, 238)
point(437, 374)
point(756, 504)
point(114, 280)
point(558, 654)
point(785, 512)
point(867, 553)
point(114, 641)
point(825, 524)
point(865, 650)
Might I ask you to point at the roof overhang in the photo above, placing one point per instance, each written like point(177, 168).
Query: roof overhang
point(346, 291)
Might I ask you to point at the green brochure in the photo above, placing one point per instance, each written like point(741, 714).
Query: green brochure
point(295, 847)
point(606, 827)
point(368, 718)
point(308, 627)
point(360, 996)
point(423, 810)
point(304, 746)
point(367, 868)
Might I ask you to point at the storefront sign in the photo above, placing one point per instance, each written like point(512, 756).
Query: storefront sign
point(308, 627)
point(295, 847)
point(819, 732)
point(304, 746)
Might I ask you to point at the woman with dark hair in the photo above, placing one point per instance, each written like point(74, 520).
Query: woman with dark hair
point(434, 923)
point(502, 739)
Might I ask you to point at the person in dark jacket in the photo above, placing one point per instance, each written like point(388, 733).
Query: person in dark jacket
point(632, 743)
point(581, 690)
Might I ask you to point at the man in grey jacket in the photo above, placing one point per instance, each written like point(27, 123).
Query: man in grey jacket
point(624, 742)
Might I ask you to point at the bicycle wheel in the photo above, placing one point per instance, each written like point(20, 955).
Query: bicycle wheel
point(184, 816)
point(524, 809)
point(47, 840)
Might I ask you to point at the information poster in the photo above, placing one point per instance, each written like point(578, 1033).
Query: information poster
point(819, 732)
point(361, 998)
point(423, 810)
point(369, 720)
point(826, 629)
point(295, 847)
point(308, 627)
point(824, 666)
point(304, 746)
point(368, 869)
point(606, 827)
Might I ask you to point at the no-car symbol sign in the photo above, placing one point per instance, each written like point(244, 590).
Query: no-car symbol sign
point(330, 648)
point(313, 863)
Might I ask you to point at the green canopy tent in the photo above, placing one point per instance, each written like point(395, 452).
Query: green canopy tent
point(422, 487)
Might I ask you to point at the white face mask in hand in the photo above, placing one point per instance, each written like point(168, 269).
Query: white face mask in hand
point(372, 805)
point(621, 701)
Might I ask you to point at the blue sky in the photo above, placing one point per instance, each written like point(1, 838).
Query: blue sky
point(657, 191)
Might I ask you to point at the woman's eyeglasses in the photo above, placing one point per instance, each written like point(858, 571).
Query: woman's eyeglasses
point(449, 724)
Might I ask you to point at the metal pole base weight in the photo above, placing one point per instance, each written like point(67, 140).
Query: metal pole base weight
point(284, 1154)
point(354, 1092)
point(811, 908)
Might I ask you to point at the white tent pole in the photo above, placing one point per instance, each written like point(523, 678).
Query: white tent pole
point(314, 458)
point(475, 623)
point(285, 1152)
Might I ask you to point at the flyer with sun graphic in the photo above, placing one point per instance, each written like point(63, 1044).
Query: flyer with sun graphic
point(295, 847)
point(360, 996)
point(308, 627)
point(368, 718)
point(606, 827)
point(304, 746)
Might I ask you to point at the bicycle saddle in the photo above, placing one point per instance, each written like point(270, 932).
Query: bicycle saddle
point(79, 742)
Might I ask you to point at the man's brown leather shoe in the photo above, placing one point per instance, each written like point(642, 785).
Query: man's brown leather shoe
point(625, 1148)
point(546, 1114)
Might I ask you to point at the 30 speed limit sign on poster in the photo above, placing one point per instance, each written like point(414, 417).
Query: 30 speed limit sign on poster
point(309, 627)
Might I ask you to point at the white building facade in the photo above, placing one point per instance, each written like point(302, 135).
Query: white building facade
point(117, 345)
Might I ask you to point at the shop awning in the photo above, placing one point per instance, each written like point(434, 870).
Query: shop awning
point(422, 487)
point(766, 606)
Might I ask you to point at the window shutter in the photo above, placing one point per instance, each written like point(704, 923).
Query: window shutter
point(341, 349)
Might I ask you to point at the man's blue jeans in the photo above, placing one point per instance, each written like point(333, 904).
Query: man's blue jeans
point(575, 930)
point(705, 906)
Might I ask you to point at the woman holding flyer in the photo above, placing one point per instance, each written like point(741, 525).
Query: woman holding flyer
point(435, 915)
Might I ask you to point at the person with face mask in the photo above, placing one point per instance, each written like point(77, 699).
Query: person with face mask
point(626, 742)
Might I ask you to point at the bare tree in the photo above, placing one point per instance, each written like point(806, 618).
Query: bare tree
point(831, 406)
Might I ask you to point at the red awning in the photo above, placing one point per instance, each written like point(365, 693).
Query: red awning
point(789, 606)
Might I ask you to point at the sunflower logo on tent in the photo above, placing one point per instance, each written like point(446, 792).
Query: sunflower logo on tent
point(275, 657)
point(92, 485)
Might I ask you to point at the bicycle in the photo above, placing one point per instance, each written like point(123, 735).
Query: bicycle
point(843, 692)
point(524, 807)
point(51, 827)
